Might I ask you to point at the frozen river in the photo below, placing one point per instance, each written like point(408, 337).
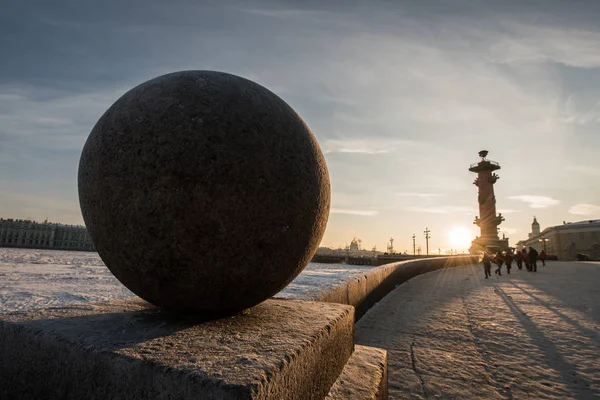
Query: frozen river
point(31, 278)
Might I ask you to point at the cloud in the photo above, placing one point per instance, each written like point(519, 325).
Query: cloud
point(508, 231)
point(583, 169)
point(585, 209)
point(442, 209)
point(539, 44)
point(276, 13)
point(365, 146)
point(363, 213)
point(590, 115)
point(416, 194)
point(354, 146)
point(508, 211)
point(536, 201)
point(61, 123)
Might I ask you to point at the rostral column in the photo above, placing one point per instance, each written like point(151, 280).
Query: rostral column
point(487, 221)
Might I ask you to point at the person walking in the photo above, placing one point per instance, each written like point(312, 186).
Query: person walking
point(533, 256)
point(508, 258)
point(525, 259)
point(487, 264)
point(543, 256)
point(519, 259)
point(499, 260)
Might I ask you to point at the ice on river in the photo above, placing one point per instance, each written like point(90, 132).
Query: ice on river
point(31, 278)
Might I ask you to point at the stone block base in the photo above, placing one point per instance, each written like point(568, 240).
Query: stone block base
point(280, 349)
point(364, 377)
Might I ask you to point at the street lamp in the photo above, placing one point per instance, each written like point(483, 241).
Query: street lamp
point(427, 237)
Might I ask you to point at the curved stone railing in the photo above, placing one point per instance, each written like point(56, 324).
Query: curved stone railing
point(363, 291)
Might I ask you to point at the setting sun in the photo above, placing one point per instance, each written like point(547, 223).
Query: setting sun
point(460, 237)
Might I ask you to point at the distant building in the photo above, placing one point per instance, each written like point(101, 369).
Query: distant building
point(535, 228)
point(354, 245)
point(44, 235)
point(566, 240)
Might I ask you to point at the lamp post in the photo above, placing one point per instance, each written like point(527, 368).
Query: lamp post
point(427, 237)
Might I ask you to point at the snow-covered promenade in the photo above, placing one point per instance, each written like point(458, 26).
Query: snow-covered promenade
point(453, 334)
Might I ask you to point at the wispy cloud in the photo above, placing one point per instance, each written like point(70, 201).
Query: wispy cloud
point(364, 150)
point(508, 211)
point(442, 209)
point(536, 43)
point(536, 201)
point(508, 231)
point(583, 169)
point(62, 123)
point(363, 213)
point(355, 146)
point(417, 194)
point(590, 115)
point(585, 209)
point(365, 146)
point(276, 13)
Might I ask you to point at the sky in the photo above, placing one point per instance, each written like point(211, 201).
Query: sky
point(401, 96)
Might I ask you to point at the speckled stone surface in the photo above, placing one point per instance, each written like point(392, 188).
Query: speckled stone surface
point(203, 191)
point(280, 349)
point(364, 377)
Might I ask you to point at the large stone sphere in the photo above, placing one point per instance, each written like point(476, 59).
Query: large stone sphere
point(203, 191)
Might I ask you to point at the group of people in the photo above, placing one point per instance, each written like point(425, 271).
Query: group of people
point(529, 258)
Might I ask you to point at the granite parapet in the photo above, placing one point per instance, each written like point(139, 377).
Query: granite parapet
point(279, 349)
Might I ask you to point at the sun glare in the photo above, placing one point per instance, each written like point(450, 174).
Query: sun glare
point(460, 237)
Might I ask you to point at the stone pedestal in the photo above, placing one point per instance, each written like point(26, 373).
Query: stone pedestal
point(280, 349)
point(364, 376)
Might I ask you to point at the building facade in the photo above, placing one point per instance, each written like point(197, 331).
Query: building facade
point(44, 235)
point(567, 240)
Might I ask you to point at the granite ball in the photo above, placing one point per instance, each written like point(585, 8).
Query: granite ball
point(203, 191)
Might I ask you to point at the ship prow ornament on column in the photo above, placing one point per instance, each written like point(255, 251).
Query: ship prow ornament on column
point(487, 220)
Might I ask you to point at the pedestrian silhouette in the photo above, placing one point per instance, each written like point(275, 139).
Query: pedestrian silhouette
point(519, 259)
point(533, 255)
point(526, 259)
point(543, 257)
point(487, 264)
point(499, 260)
point(508, 259)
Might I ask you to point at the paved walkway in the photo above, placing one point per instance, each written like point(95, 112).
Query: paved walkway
point(453, 334)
